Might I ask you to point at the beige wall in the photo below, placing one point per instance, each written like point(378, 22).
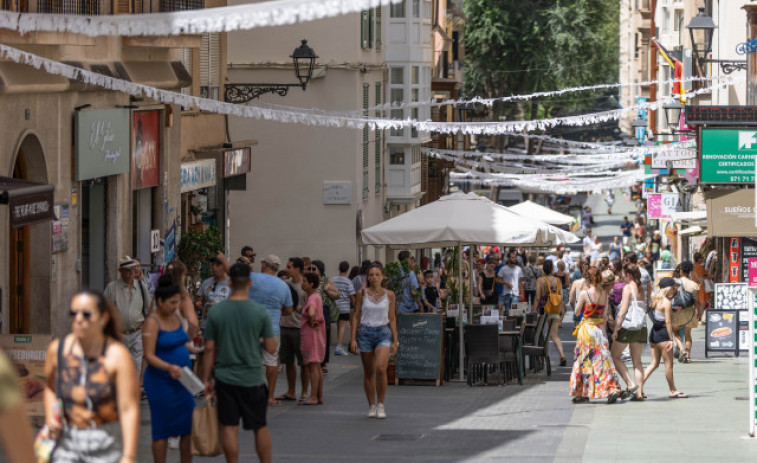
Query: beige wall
point(282, 211)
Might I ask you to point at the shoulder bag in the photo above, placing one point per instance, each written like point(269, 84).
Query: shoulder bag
point(636, 316)
point(683, 299)
point(44, 443)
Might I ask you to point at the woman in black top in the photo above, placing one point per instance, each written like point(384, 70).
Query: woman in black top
point(486, 282)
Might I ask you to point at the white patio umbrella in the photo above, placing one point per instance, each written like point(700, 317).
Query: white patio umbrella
point(545, 214)
point(464, 219)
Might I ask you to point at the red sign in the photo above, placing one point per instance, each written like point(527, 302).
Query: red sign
point(145, 168)
point(733, 257)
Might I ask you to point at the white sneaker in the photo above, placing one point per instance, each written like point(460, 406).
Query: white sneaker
point(173, 443)
point(380, 412)
point(372, 412)
point(339, 351)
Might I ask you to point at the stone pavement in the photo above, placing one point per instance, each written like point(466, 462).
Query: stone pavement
point(535, 422)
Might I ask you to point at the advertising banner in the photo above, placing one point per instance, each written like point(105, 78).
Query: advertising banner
point(27, 352)
point(145, 149)
point(727, 155)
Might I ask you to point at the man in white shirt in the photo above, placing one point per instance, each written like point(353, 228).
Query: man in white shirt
point(587, 242)
point(510, 276)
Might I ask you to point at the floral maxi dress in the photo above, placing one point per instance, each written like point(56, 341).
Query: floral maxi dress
point(593, 374)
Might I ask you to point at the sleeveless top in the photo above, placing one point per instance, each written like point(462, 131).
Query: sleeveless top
point(374, 313)
point(593, 310)
point(88, 392)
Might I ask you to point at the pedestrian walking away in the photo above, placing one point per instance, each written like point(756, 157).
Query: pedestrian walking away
point(375, 339)
point(171, 404)
point(593, 375)
point(98, 387)
point(634, 338)
point(233, 338)
point(661, 335)
point(345, 303)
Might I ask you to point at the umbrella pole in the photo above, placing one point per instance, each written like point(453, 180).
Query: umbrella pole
point(460, 307)
point(470, 283)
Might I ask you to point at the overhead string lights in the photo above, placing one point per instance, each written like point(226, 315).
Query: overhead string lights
point(221, 19)
point(304, 117)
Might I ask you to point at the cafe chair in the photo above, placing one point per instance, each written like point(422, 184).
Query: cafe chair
point(538, 353)
point(509, 359)
point(482, 351)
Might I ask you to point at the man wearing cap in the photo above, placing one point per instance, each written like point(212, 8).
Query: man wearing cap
point(272, 293)
point(132, 304)
point(213, 289)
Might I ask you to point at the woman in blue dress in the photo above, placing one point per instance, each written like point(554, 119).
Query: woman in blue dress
point(171, 404)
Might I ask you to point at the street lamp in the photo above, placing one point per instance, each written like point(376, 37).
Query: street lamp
point(701, 28)
point(673, 113)
point(303, 58)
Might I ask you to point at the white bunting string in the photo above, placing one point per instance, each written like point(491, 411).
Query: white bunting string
point(300, 116)
point(552, 184)
point(222, 19)
point(520, 168)
point(489, 102)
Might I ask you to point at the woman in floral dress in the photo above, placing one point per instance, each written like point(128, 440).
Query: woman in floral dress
point(593, 375)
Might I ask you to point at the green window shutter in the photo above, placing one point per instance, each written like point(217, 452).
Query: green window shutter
point(364, 29)
point(366, 132)
point(378, 28)
point(378, 164)
point(370, 28)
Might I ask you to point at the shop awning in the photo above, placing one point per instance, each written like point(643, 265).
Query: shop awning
point(696, 230)
point(29, 202)
point(688, 216)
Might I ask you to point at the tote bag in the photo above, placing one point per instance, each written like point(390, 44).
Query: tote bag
point(636, 317)
point(206, 436)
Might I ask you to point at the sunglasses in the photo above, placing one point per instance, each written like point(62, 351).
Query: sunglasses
point(313, 268)
point(87, 314)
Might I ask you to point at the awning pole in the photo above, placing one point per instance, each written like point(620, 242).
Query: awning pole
point(470, 283)
point(460, 307)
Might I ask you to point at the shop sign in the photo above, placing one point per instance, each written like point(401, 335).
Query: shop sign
point(28, 353)
point(661, 205)
point(721, 115)
point(752, 264)
point(748, 253)
point(145, 149)
point(680, 158)
point(198, 174)
point(337, 193)
point(101, 138)
point(28, 202)
point(731, 213)
point(727, 155)
point(237, 162)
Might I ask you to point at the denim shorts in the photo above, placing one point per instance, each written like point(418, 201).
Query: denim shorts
point(371, 337)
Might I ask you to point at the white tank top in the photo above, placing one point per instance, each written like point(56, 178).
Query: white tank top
point(373, 313)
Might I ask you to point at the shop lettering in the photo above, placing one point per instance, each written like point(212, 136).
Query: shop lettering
point(197, 175)
point(101, 134)
point(737, 210)
point(27, 354)
point(30, 209)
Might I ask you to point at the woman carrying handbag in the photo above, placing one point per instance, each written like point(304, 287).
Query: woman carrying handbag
point(631, 330)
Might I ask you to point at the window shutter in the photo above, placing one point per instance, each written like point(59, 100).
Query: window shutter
point(364, 29)
point(210, 65)
point(378, 28)
point(378, 164)
point(121, 6)
point(205, 61)
point(370, 28)
point(366, 89)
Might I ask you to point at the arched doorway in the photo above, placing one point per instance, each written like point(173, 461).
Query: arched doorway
point(29, 252)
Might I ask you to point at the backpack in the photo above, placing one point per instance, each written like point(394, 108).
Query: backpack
point(553, 304)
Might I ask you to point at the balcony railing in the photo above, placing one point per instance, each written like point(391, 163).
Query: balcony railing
point(181, 5)
point(86, 7)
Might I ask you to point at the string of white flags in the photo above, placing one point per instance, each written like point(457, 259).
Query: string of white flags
point(200, 21)
point(512, 167)
point(300, 116)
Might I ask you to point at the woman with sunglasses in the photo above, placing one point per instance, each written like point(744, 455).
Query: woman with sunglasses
point(165, 351)
point(376, 339)
point(98, 387)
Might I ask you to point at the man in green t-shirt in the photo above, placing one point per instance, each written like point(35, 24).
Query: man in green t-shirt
point(233, 337)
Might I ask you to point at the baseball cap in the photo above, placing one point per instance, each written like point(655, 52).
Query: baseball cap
point(273, 261)
point(667, 282)
point(127, 263)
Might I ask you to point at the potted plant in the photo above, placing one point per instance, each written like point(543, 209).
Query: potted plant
point(453, 286)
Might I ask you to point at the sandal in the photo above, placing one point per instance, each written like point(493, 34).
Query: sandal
point(682, 356)
point(678, 395)
point(284, 397)
point(629, 392)
point(612, 398)
point(638, 399)
point(580, 400)
point(563, 362)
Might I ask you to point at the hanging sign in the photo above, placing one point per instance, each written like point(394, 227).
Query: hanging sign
point(145, 130)
point(101, 138)
point(154, 241)
point(198, 174)
point(237, 161)
point(680, 158)
point(727, 155)
point(661, 205)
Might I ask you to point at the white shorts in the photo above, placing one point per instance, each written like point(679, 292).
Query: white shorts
point(272, 360)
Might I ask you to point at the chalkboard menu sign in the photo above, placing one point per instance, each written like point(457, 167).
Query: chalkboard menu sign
point(419, 355)
point(722, 332)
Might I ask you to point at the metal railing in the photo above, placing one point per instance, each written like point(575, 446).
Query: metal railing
point(181, 5)
point(85, 7)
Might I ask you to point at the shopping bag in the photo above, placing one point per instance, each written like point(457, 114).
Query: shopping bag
point(206, 432)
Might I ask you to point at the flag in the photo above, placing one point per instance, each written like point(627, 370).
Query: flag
point(674, 63)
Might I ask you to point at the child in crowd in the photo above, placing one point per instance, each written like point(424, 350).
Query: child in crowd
point(430, 293)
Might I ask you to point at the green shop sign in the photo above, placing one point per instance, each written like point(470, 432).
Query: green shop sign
point(727, 155)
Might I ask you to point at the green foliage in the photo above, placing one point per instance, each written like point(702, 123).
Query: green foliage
point(196, 248)
point(451, 267)
point(516, 47)
point(394, 273)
